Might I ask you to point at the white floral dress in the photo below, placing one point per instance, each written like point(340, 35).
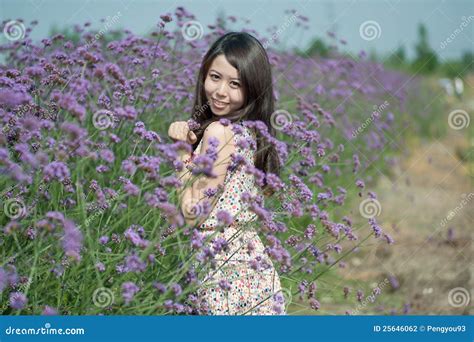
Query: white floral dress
point(248, 270)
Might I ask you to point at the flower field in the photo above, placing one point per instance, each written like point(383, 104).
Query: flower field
point(90, 220)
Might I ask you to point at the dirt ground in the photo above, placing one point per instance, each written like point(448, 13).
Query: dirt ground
point(428, 208)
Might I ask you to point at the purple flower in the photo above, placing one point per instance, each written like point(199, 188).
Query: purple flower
point(129, 289)
point(72, 240)
point(376, 228)
point(107, 155)
point(193, 125)
point(176, 288)
point(360, 295)
point(17, 300)
point(12, 98)
point(100, 266)
point(220, 244)
point(133, 263)
point(355, 159)
point(224, 217)
point(56, 170)
point(360, 183)
point(305, 193)
point(103, 240)
point(224, 285)
point(135, 238)
point(197, 239)
point(131, 189)
point(394, 282)
point(129, 167)
point(224, 121)
point(388, 238)
point(166, 18)
point(49, 311)
point(3, 279)
point(160, 287)
point(274, 181)
point(314, 304)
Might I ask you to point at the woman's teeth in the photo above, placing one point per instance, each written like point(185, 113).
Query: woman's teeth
point(219, 104)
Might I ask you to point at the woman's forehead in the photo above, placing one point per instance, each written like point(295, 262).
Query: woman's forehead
point(221, 65)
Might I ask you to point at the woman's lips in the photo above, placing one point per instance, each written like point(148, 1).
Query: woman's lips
point(219, 104)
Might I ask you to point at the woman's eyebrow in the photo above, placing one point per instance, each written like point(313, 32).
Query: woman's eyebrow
point(217, 72)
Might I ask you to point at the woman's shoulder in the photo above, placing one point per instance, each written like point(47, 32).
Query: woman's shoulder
point(218, 130)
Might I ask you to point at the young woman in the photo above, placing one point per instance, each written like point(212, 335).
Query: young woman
point(231, 130)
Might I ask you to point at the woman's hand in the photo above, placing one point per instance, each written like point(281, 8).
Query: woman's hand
point(179, 130)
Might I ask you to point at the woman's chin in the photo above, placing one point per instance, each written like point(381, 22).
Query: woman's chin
point(219, 112)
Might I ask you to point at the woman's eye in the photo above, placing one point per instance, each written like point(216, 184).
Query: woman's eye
point(235, 84)
point(214, 77)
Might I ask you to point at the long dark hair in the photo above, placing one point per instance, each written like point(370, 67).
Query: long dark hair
point(245, 53)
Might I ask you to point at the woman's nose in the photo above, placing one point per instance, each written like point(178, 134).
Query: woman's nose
point(221, 90)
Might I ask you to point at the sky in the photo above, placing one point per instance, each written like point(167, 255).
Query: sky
point(371, 25)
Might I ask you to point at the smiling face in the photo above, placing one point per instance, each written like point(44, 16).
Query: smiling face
point(223, 87)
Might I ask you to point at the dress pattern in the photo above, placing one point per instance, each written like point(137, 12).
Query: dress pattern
point(244, 265)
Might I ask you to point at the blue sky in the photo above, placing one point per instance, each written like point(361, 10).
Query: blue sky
point(397, 20)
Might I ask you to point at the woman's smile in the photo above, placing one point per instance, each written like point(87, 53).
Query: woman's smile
point(219, 104)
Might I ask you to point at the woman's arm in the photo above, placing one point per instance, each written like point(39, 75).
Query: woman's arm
point(193, 195)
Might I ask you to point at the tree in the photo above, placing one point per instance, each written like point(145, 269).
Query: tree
point(426, 59)
point(318, 48)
